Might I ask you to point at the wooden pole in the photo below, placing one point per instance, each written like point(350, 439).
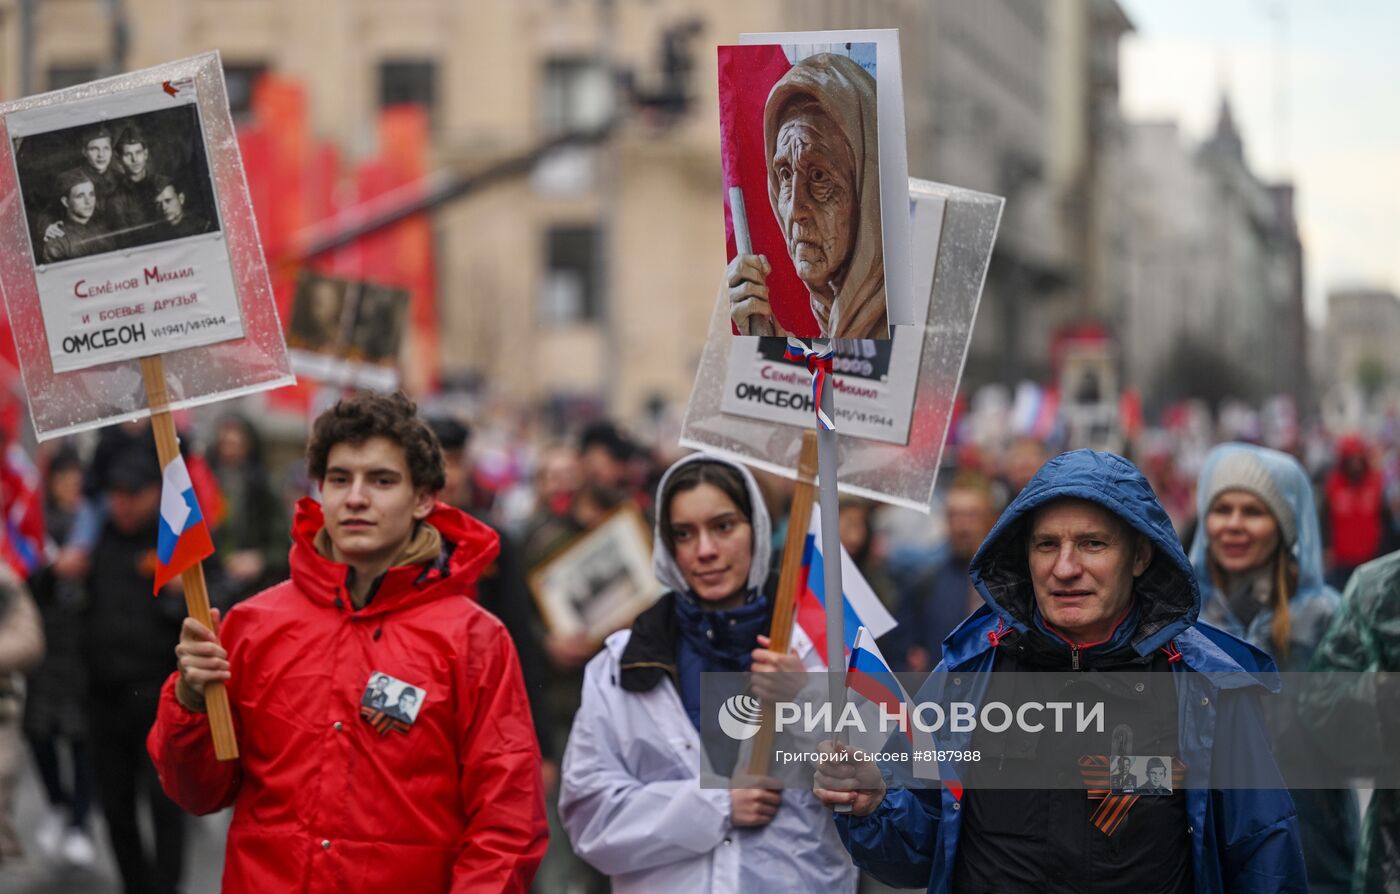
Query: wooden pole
point(196, 593)
point(789, 582)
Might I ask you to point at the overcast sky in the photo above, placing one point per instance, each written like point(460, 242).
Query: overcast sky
point(1336, 134)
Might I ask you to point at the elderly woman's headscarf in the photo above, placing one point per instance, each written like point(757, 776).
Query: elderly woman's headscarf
point(845, 92)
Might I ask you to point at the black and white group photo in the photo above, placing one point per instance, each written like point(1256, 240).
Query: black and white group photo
point(116, 184)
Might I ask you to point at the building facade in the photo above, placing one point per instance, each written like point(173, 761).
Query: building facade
point(597, 273)
point(1213, 296)
point(1363, 330)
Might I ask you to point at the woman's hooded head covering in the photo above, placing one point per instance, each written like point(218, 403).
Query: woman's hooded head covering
point(845, 92)
point(663, 563)
point(1281, 483)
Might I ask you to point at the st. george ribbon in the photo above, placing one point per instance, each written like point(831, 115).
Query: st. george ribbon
point(819, 363)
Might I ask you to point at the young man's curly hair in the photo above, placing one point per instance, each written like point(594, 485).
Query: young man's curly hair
point(354, 420)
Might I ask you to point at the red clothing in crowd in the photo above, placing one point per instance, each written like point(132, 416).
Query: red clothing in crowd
point(1354, 507)
point(324, 801)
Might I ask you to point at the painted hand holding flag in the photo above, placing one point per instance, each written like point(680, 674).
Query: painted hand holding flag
point(862, 608)
point(184, 539)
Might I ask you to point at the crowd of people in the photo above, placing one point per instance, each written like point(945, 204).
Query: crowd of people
point(362, 689)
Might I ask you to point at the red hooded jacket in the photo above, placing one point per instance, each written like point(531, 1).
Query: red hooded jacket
point(1354, 507)
point(322, 800)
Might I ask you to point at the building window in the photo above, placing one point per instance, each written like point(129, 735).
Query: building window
point(569, 293)
point(61, 76)
point(408, 82)
point(239, 80)
point(576, 94)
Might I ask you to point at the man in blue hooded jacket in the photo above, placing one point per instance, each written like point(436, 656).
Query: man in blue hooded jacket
point(1084, 573)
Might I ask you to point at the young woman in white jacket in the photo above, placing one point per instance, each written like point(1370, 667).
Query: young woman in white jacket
point(631, 799)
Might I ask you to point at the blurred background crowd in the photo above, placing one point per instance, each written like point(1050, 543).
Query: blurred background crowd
point(541, 485)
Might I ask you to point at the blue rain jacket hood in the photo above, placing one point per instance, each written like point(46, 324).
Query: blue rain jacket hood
point(1167, 597)
point(1313, 604)
point(1242, 840)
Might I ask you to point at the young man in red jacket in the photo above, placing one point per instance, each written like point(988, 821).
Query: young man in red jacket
point(331, 792)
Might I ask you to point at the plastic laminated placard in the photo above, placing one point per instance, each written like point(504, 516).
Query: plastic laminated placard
point(127, 231)
point(894, 400)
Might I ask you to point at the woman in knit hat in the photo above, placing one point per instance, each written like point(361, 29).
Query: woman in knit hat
point(1258, 552)
point(1258, 557)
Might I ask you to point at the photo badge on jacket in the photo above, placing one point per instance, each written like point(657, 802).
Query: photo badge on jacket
point(389, 703)
point(1119, 781)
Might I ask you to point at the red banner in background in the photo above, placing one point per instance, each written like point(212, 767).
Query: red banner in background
point(376, 250)
point(273, 142)
point(255, 145)
point(1130, 413)
point(282, 105)
point(296, 182)
point(332, 191)
point(9, 358)
point(403, 132)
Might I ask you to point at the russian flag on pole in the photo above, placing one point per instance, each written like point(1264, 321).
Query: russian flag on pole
point(880, 696)
point(23, 510)
point(184, 538)
point(861, 606)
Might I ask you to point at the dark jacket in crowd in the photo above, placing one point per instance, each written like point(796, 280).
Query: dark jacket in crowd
point(1363, 697)
point(502, 591)
point(930, 609)
point(57, 688)
point(129, 634)
point(254, 519)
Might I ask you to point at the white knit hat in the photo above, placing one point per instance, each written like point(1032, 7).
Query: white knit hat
point(1241, 470)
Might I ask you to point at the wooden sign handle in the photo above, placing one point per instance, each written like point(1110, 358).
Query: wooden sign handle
point(196, 593)
point(789, 582)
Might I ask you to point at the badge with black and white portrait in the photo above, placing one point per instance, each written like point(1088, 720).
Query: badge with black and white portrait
point(1141, 774)
point(390, 704)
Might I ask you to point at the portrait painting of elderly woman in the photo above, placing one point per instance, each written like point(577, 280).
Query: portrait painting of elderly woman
point(820, 155)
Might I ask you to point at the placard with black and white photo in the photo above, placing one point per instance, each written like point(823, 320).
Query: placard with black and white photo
point(347, 332)
point(376, 327)
point(600, 581)
point(1089, 395)
point(124, 225)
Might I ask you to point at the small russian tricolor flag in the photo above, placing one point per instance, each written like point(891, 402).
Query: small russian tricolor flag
point(868, 675)
point(184, 538)
point(860, 606)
